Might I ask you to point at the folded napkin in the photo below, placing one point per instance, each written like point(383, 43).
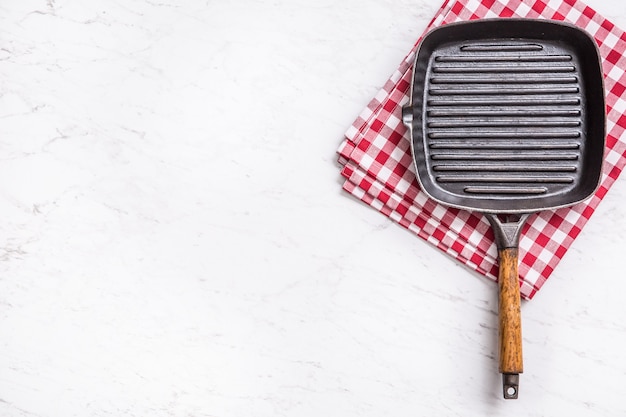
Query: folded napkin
point(378, 168)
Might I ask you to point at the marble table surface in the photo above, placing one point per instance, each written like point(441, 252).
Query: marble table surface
point(175, 241)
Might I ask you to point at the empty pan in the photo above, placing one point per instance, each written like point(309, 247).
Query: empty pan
point(507, 118)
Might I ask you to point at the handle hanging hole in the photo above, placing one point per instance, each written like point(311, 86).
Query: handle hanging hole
point(510, 391)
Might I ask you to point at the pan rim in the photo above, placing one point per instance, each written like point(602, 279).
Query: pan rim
point(408, 110)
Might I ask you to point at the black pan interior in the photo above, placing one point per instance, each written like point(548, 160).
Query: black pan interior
point(508, 115)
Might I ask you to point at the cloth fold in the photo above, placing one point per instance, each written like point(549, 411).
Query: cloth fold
point(378, 167)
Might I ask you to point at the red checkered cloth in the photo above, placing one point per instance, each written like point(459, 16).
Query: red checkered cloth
point(378, 166)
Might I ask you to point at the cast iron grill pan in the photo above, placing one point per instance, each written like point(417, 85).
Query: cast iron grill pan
point(507, 117)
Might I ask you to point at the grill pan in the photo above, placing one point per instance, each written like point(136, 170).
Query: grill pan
point(507, 117)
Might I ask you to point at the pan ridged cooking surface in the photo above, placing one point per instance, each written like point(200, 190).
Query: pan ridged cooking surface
point(504, 118)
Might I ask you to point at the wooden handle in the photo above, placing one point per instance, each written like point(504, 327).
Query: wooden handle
point(510, 314)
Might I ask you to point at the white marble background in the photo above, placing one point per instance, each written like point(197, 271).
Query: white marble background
point(174, 241)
